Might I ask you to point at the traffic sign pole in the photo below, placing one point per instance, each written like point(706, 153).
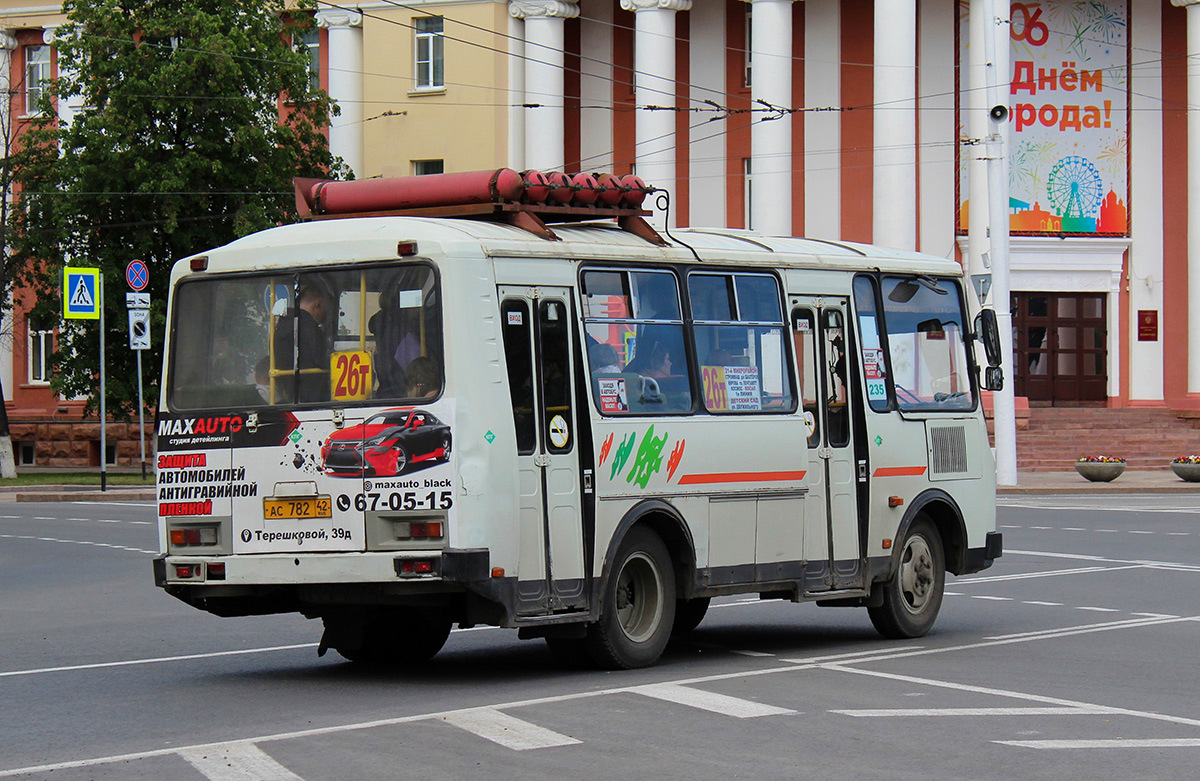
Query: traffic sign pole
point(103, 409)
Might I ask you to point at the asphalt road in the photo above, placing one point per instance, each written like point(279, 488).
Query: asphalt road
point(1073, 657)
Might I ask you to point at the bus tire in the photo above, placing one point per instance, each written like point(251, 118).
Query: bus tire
point(637, 608)
point(912, 595)
point(688, 614)
point(403, 636)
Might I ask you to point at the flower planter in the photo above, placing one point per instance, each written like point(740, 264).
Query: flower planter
point(1186, 471)
point(1100, 471)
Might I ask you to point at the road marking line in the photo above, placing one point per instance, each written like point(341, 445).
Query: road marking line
point(1053, 711)
point(993, 599)
point(752, 653)
point(1015, 695)
point(237, 762)
point(1115, 743)
point(156, 660)
point(1045, 604)
point(709, 701)
point(1125, 622)
point(77, 542)
point(508, 731)
point(1084, 557)
point(1100, 609)
point(44, 518)
point(1047, 574)
point(1138, 531)
point(1074, 529)
point(106, 520)
point(795, 665)
point(1156, 615)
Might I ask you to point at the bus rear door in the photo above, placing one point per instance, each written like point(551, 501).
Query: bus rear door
point(831, 539)
point(538, 341)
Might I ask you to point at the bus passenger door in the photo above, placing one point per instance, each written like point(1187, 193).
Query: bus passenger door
point(538, 349)
point(831, 539)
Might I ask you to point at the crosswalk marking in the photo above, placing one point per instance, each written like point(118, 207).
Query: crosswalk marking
point(709, 701)
point(237, 762)
point(1111, 743)
point(507, 731)
point(1048, 711)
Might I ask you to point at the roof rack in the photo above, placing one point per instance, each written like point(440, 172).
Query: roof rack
point(527, 200)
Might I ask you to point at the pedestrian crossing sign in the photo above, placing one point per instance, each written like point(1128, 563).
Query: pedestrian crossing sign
point(81, 293)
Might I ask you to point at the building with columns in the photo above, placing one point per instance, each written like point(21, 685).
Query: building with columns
point(841, 120)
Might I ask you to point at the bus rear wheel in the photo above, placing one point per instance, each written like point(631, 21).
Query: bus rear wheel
point(912, 596)
point(394, 636)
point(637, 609)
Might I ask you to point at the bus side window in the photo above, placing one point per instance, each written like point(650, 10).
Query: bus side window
point(518, 352)
point(837, 411)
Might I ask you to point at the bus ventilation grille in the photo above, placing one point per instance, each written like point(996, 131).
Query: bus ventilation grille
point(948, 450)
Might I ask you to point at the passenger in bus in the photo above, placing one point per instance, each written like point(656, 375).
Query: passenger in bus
point(422, 376)
point(312, 347)
point(397, 343)
point(604, 359)
point(652, 361)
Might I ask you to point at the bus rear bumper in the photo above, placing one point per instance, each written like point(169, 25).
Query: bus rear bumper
point(978, 559)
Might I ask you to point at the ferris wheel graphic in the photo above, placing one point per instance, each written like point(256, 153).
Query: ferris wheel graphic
point(1074, 187)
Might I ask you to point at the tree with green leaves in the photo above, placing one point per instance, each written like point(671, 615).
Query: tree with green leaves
point(196, 116)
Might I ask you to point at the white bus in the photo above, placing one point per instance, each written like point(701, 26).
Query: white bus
point(583, 431)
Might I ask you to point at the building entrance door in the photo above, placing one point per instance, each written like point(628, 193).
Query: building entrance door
point(1059, 345)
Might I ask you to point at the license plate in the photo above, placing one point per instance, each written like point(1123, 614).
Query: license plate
point(297, 508)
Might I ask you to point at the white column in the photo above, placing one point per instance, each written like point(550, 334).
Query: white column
point(894, 212)
point(544, 87)
point(771, 135)
point(516, 93)
point(706, 142)
point(596, 87)
point(654, 86)
point(978, 127)
point(1193, 206)
point(1146, 223)
point(345, 84)
point(822, 129)
point(937, 128)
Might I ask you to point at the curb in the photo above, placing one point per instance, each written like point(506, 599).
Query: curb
point(84, 495)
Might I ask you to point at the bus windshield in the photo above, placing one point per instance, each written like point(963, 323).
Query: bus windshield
point(308, 337)
point(924, 324)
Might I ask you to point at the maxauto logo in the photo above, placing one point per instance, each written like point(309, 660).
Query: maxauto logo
point(181, 427)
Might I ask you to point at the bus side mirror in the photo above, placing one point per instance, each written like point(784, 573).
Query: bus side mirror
point(993, 378)
point(987, 329)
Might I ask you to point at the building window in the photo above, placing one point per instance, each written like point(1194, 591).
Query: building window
point(37, 73)
point(310, 40)
point(423, 167)
point(41, 345)
point(430, 58)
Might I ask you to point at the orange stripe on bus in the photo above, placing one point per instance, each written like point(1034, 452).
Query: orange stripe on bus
point(899, 471)
point(740, 477)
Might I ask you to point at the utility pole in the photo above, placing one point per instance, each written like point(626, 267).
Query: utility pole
point(996, 34)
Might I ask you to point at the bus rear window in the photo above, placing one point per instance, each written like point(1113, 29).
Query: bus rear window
point(319, 337)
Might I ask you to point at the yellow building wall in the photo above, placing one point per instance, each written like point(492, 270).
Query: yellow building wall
point(466, 123)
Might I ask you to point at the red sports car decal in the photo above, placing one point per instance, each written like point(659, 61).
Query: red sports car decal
point(387, 444)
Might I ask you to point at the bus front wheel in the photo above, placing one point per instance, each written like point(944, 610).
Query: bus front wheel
point(637, 609)
point(912, 595)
